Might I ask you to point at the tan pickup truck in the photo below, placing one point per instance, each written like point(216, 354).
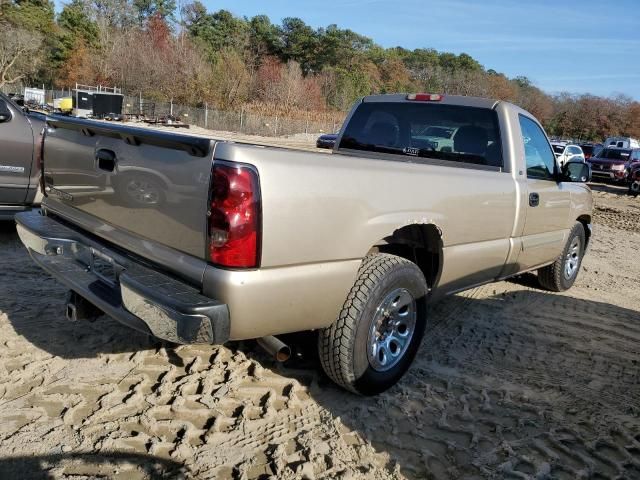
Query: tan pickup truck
point(197, 240)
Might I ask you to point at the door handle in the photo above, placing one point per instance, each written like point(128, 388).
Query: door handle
point(106, 160)
point(534, 199)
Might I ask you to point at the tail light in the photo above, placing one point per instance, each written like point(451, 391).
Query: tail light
point(40, 158)
point(425, 97)
point(234, 216)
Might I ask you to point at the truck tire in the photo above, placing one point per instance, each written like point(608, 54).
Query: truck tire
point(379, 330)
point(561, 274)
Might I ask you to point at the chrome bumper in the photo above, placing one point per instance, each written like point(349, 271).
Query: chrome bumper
point(131, 292)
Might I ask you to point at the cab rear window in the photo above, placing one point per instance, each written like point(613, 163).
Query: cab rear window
point(427, 130)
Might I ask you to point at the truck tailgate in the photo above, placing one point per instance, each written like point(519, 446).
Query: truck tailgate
point(150, 183)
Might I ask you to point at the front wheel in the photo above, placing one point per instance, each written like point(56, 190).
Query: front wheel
point(380, 327)
point(562, 274)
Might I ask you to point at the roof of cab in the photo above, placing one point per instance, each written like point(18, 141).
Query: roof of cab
point(446, 100)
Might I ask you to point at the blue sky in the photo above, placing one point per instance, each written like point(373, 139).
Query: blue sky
point(562, 45)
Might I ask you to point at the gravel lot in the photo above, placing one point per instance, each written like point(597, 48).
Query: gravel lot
point(511, 382)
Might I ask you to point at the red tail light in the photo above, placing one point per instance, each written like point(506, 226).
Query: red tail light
point(425, 97)
point(234, 216)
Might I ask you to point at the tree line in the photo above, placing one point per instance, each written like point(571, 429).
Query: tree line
point(174, 49)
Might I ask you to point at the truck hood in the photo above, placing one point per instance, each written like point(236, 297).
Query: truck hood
point(606, 161)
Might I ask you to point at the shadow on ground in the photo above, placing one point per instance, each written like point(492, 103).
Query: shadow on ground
point(610, 187)
point(35, 305)
point(509, 382)
point(108, 465)
point(520, 384)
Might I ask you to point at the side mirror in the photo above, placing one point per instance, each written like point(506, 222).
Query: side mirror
point(5, 113)
point(576, 172)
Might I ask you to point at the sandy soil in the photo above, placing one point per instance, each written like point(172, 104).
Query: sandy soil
point(511, 382)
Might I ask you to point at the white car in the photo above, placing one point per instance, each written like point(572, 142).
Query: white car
point(566, 152)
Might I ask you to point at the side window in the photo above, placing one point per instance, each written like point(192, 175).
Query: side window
point(538, 154)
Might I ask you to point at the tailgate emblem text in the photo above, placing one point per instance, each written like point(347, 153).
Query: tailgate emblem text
point(413, 151)
point(11, 169)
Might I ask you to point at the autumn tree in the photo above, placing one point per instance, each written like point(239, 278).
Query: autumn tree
point(19, 54)
point(177, 49)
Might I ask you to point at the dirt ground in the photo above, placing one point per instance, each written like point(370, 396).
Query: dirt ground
point(511, 382)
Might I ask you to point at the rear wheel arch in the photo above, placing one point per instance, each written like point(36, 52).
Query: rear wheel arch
point(420, 243)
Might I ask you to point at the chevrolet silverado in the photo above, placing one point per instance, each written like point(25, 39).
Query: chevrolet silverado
point(19, 146)
point(197, 240)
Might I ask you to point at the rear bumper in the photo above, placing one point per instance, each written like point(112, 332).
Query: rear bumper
point(8, 212)
point(132, 293)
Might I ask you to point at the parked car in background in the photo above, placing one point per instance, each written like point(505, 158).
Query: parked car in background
point(19, 145)
point(566, 152)
point(632, 168)
point(327, 141)
point(611, 164)
point(590, 149)
point(436, 137)
point(272, 241)
point(634, 179)
point(621, 142)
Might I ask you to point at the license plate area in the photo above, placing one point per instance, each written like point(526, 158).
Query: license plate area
point(104, 267)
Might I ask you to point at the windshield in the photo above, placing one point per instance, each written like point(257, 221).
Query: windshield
point(615, 154)
point(558, 148)
point(429, 130)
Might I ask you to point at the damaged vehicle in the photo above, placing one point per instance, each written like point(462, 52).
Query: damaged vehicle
point(268, 241)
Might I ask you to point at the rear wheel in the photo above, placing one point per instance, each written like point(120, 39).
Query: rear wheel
point(380, 327)
point(562, 274)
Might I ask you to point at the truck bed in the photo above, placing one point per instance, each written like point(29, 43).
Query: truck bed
point(303, 142)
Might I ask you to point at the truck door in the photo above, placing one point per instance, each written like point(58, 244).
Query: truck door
point(547, 203)
point(16, 154)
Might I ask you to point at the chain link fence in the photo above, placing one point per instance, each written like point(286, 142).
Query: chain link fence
point(241, 121)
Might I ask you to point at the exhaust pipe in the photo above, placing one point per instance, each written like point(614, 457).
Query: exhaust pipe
point(274, 347)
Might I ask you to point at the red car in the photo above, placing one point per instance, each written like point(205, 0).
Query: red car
point(611, 163)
